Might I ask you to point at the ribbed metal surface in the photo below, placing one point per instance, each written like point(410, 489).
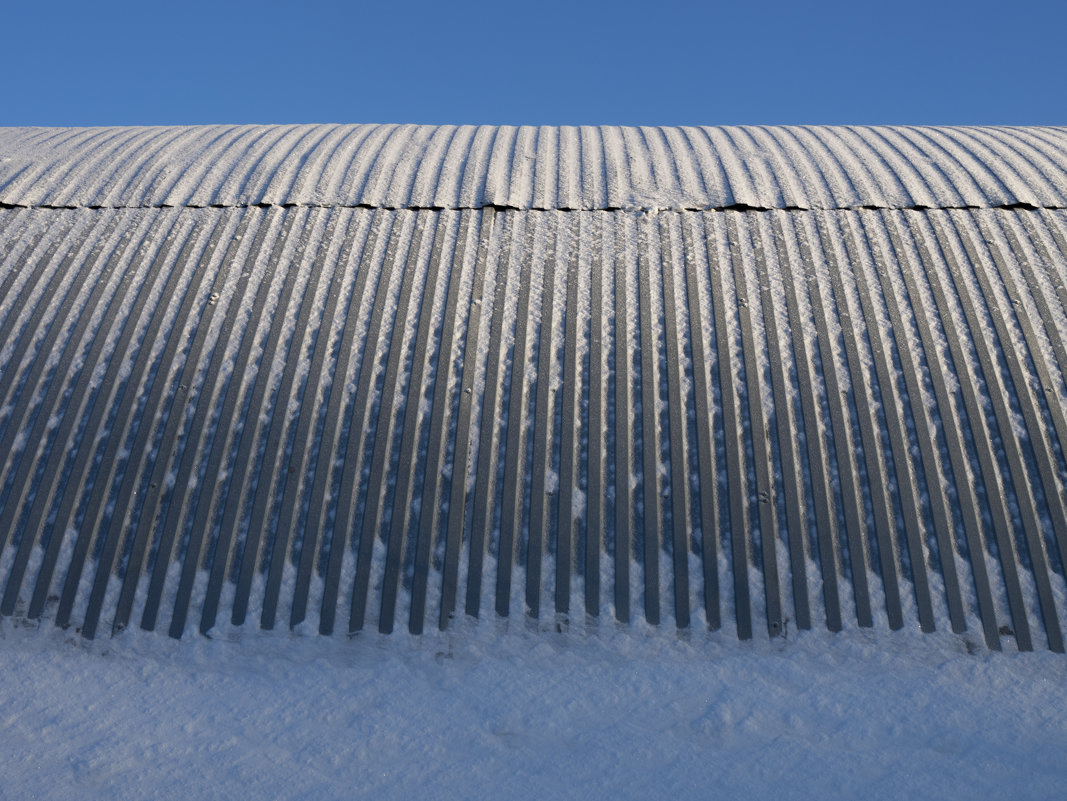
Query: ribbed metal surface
point(355, 419)
point(587, 168)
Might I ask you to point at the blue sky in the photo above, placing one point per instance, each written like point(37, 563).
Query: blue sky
point(539, 62)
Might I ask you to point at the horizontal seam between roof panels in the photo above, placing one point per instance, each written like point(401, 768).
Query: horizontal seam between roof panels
point(497, 207)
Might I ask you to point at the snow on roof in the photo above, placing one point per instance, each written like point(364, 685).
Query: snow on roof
point(587, 168)
point(387, 375)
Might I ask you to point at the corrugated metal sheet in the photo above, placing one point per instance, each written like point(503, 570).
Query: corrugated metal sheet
point(579, 168)
point(369, 418)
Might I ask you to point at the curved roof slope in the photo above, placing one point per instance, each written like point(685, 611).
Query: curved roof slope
point(318, 413)
point(588, 168)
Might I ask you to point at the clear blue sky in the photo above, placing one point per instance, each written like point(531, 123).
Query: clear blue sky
point(536, 62)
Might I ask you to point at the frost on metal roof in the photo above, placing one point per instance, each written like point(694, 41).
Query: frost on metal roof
point(586, 168)
point(377, 386)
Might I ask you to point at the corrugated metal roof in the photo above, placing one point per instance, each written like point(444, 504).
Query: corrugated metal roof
point(408, 372)
point(580, 168)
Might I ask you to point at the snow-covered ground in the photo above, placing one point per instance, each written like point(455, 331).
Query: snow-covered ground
point(488, 713)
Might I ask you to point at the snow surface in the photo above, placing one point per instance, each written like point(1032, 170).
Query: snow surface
point(488, 712)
